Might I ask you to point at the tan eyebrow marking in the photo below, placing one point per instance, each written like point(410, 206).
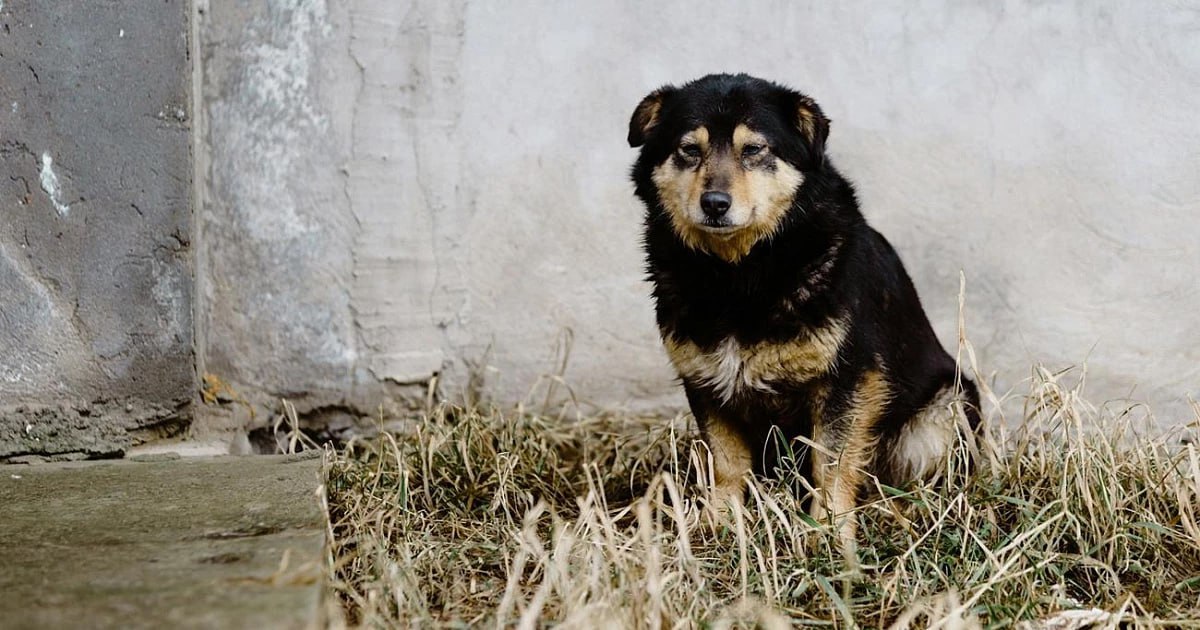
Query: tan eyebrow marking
point(698, 136)
point(743, 135)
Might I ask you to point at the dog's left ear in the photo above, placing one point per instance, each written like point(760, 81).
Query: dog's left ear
point(813, 125)
point(645, 117)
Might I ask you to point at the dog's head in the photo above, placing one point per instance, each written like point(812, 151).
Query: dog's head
point(725, 155)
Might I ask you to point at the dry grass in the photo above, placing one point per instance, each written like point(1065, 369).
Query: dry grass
point(493, 518)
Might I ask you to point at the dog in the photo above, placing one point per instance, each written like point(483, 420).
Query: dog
point(783, 312)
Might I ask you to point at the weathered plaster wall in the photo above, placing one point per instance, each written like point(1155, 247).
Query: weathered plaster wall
point(397, 189)
point(95, 211)
point(276, 255)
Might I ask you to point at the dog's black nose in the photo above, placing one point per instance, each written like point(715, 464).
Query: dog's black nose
point(715, 204)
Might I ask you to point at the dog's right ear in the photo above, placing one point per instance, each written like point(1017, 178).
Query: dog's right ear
point(813, 125)
point(645, 117)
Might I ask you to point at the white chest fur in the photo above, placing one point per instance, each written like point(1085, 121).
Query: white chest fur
point(732, 368)
point(725, 370)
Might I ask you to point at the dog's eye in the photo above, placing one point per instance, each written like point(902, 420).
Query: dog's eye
point(690, 150)
point(752, 149)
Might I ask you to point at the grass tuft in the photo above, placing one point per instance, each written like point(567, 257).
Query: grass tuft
point(510, 519)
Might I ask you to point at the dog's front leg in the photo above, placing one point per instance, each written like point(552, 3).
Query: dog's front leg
point(839, 469)
point(731, 459)
point(846, 453)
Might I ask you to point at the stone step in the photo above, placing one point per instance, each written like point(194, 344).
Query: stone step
point(223, 542)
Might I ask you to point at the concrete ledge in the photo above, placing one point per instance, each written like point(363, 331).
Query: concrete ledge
point(228, 542)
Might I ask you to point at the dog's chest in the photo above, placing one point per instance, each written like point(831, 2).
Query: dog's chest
point(731, 368)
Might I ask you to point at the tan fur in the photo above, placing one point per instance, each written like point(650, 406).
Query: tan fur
point(731, 459)
point(840, 469)
point(808, 124)
point(743, 135)
point(699, 135)
point(731, 368)
point(818, 398)
point(928, 437)
point(761, 196)
point(646, 114)
point(807, 120)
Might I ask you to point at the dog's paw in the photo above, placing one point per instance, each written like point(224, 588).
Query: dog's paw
point(721, 502)
point(835, 533)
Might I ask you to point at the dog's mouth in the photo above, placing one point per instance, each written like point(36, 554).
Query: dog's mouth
point(718, 227)
point(722, 225)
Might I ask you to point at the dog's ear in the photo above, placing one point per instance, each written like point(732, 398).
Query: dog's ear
point(645, 117)
point(813, 126)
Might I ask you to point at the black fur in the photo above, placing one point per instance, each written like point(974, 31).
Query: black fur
point(789, 283)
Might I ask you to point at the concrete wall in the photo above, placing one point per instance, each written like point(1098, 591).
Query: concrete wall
point(95, 212)
point(389, 191)
point(277, 237)
point(397, 189)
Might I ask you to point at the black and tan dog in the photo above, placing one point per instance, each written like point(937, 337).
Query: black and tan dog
point(782, 310)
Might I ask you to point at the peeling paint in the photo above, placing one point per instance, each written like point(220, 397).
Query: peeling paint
point(50, 185)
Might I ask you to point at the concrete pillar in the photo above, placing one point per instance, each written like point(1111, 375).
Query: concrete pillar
point(95, 226)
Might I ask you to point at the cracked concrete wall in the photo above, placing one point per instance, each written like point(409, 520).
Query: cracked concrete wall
point(95, 211)
point(398, 189)
point(275, 262)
